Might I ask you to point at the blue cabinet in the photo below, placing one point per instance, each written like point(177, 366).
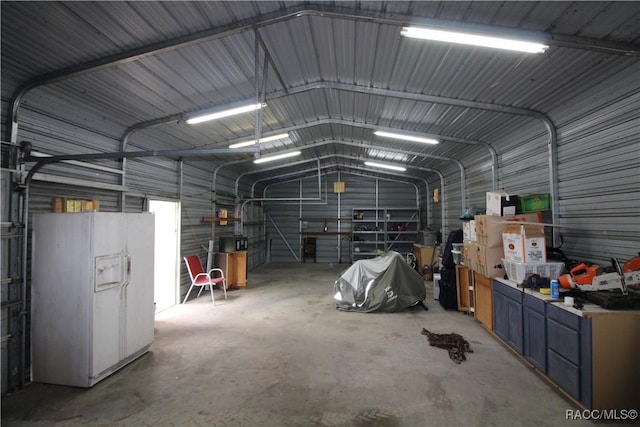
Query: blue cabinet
point(591, 355)
point(534, 314)
point(507, 315)
point(569, 353)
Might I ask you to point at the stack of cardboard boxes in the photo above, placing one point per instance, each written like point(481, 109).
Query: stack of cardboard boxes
point(484, 246)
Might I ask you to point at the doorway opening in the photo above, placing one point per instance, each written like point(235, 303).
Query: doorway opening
point(166, 253)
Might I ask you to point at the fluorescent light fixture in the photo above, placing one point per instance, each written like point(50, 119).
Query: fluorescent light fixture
point(277, 157)
point(406, 137)
point(386, 166)
point(473, 39)
point(224, 113)
point(261, 140)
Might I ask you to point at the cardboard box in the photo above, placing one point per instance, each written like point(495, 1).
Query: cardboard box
point(524, 243)
point(65, 204)
point(501, 203)
point(467, 249)
point(487, 261)
point(469, 230)
point(489, 228)
point(424, 256)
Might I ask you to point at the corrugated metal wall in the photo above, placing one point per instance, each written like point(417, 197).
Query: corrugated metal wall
point(598, 161)
point(10, 285)
point(153, 177)
point(450, 200)
point(286, 221)
point(599, 158)
point(598, 181)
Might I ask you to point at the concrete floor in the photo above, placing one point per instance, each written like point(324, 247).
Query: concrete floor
point(280, 354)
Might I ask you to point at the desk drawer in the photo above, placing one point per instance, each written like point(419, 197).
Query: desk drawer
point(507, 291)
point(564, 317)
point(564, 373)
point(564, 341)
point(535, 304)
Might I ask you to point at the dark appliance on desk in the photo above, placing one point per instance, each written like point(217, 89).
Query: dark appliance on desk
point(232, 244)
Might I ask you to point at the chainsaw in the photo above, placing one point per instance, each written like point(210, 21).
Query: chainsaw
point(595, 278)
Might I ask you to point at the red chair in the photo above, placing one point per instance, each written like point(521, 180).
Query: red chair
point(202, 279)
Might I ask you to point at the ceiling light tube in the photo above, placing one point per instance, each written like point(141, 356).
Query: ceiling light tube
point(406, 137)
point(276, 157)
point(261, 140)
point(224, 113)
point(474, 39)
point(386, 166)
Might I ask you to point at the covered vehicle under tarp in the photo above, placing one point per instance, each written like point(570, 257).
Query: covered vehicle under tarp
point(385, 283)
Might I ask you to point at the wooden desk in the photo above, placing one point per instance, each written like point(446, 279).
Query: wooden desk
point(234, 267)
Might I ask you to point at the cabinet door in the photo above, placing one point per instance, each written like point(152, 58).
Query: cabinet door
point(569, 352)
point(514, 315)
point(484, 300)
point(500, 315)
point(222, 262)
point(234, 267)
point(535, 332)
point(463, 282)
point(564, 373)
point(507, 315)
point(238, 268)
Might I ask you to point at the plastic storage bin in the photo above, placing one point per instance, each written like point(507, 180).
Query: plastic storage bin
point(456, 252)
point(534, 203)
point(517, 271)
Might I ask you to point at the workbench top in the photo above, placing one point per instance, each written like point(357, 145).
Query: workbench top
point(588, 310)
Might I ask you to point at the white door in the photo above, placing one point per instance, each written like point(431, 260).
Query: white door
point(167, 244)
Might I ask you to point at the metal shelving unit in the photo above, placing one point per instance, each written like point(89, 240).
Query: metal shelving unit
point(367, 233)
point(376, 230)
point(401, 225)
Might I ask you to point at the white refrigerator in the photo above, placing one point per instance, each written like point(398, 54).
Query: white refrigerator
point(92, 305)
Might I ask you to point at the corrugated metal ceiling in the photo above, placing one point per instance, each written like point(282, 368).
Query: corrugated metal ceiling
point(336, 70)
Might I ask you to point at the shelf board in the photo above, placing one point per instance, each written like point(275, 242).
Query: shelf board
point(393, 240)
point(325, 233)
point(321, 219)
point(216, 219)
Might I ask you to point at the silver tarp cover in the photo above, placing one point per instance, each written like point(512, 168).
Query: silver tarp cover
point(385, 283)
